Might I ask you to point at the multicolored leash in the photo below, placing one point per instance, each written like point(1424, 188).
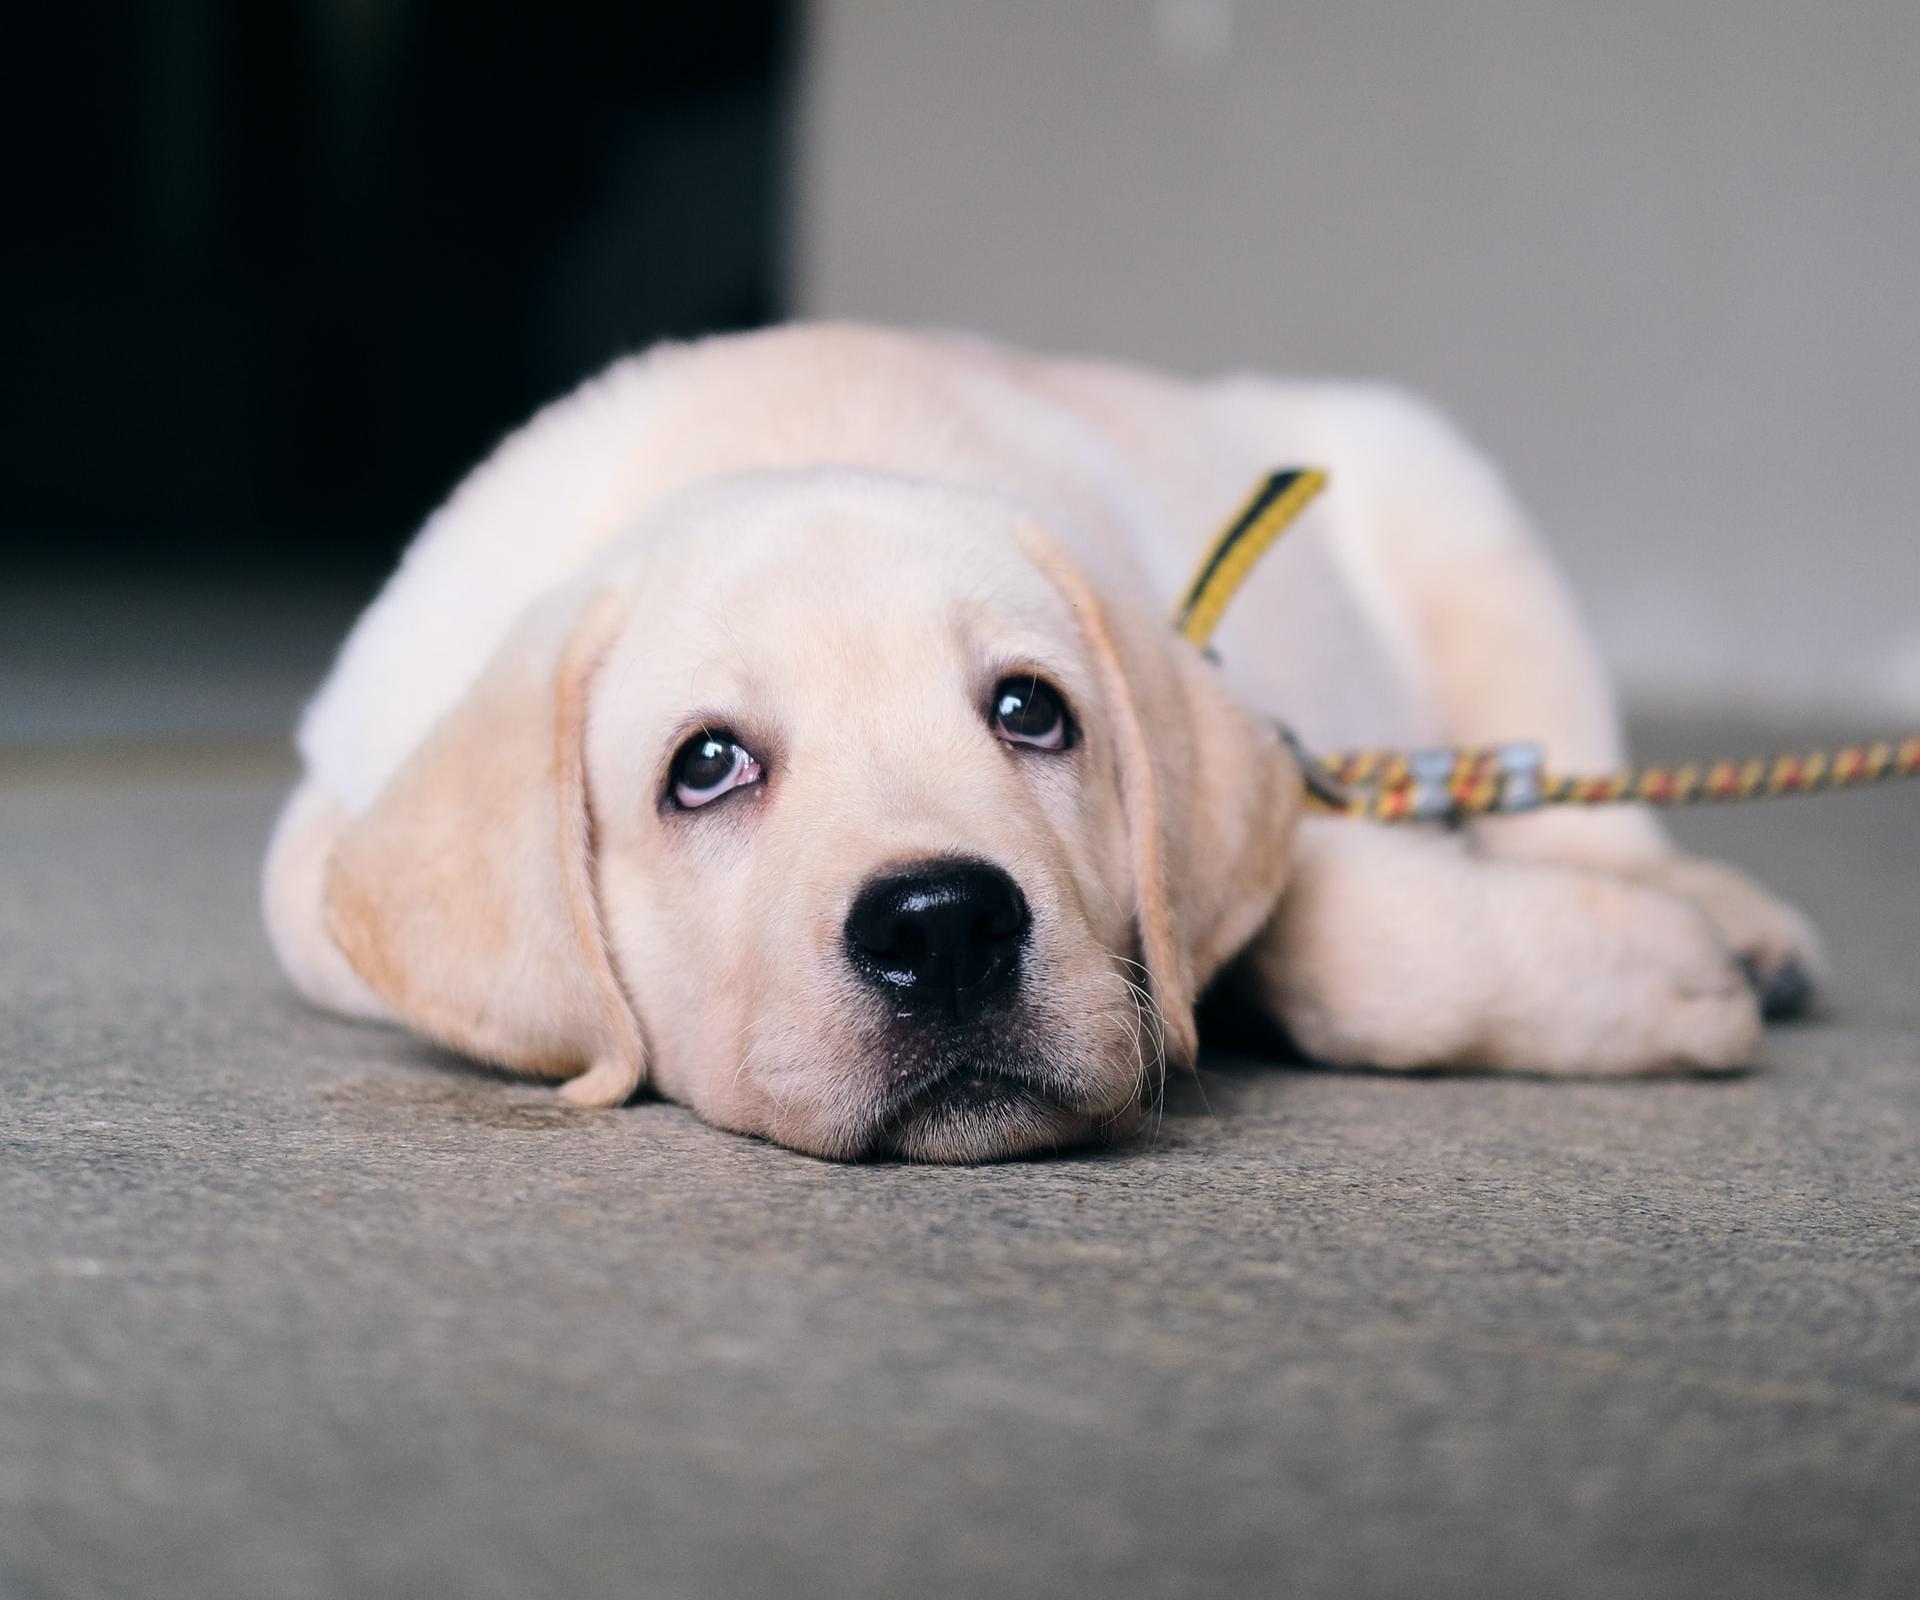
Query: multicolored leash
point(1447, 785)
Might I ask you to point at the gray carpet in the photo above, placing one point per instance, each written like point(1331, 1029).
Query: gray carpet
point(294, 1307)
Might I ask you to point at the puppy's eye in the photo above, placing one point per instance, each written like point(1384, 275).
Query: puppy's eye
point(1028, 711)
point(709, 765)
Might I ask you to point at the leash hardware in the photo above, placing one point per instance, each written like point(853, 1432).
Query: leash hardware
point(1522, 770)
point(1324, 787)
point(1430, 782)
point(1449, 786)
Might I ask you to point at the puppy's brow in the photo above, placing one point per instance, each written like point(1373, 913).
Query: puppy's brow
point(1035, 662)
point(722, 623)
point(715, 679)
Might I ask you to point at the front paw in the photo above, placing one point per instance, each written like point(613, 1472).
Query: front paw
point(1778, 949)
point(1645, 987)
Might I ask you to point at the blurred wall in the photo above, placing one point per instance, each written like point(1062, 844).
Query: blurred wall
point(1660, 259)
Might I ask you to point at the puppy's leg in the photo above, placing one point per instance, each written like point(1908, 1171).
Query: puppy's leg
point(1399, 949)
point(1551, 687)
point(1506, 680)
point(293, 898)
point(1505, 655)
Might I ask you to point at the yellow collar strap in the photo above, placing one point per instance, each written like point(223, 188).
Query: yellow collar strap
point(1267, 514)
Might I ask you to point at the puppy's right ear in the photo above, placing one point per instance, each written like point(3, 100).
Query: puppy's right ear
point(465, 896)
point(1210, 795)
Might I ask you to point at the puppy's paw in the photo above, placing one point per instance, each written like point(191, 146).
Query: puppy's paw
point(1653, 989)
point(1777, 947)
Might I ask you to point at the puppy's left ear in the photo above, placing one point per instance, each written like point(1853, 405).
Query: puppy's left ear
point(1211, 795)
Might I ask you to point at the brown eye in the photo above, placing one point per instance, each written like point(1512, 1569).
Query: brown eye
point(709, 765)
point(1030, 712)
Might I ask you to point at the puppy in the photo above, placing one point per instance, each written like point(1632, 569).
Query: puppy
point(791, 723)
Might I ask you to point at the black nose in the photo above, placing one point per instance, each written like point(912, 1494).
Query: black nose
point(943, 937)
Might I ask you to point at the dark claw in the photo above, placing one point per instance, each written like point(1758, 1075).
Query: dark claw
point(1783, 993)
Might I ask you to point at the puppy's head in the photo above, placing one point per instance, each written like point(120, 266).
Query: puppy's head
point(840, 809)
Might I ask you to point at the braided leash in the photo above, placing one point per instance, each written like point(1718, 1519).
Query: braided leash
point(1448, 785)
point(1434, 785)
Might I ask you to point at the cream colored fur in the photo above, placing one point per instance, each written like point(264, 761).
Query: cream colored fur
point(832, 539)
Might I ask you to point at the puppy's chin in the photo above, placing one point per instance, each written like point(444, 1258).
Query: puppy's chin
point(1004, 1088)
point(986, 1117)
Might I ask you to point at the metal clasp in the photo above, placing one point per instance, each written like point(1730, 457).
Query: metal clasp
point(1522, 782)
point(1321, 784)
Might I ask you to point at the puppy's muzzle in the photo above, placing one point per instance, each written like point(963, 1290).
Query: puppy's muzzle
point(942, 940)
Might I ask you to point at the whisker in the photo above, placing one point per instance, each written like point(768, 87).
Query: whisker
point(1151, 1083)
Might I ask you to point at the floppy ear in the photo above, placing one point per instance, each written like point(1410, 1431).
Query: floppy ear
point(1210, 792)
point(465, 895)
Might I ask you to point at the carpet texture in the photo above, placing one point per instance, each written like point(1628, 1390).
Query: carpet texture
point(294, 1307)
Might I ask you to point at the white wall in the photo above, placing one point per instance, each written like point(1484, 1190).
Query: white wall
point(1661, 256)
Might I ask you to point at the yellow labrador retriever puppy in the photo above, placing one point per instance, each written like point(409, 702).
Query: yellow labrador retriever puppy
point(792, 723)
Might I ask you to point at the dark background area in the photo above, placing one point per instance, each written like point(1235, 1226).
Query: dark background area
point(276, 274)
